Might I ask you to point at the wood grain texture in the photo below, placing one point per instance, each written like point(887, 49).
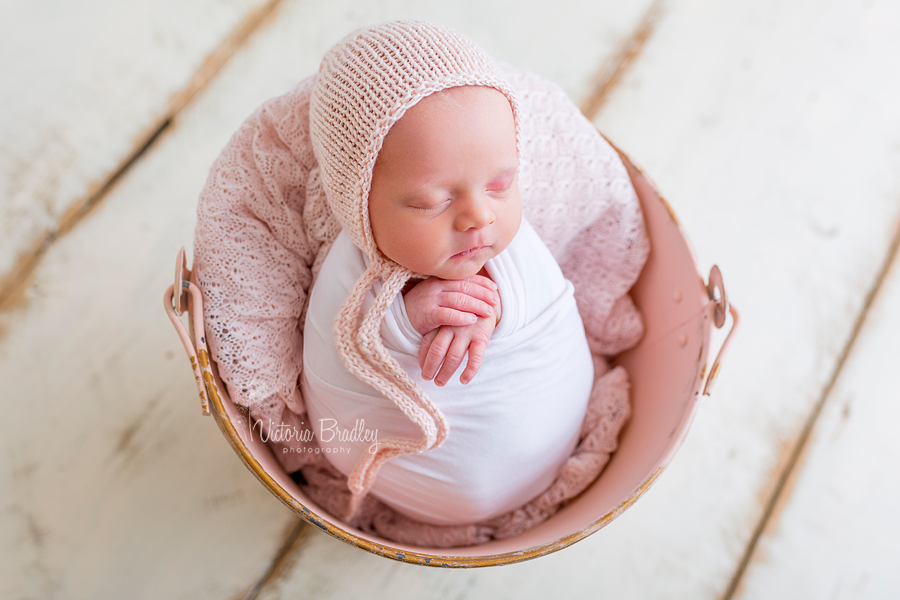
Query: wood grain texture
point(836, 533)
point(84, 85)
point(785, 175)
point(114, 485)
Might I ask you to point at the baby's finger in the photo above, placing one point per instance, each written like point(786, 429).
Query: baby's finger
point(435, 353)
point(464, 303)
point(453, 318)
point(483, 281)
point(426, 344)
point(478, 287)
point(476, 355)
point(452, 359)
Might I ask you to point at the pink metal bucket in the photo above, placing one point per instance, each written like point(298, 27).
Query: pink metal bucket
point(668, 370)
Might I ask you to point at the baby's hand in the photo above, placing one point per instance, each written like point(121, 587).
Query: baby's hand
point(434, 302)
point(444, 349)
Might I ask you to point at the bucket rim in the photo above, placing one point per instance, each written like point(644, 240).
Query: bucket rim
point(217, 392)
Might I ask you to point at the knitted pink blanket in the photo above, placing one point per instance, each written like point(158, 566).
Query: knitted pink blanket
point(264, 229)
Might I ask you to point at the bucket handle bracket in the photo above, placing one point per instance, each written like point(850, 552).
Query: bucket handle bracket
point(720, 307)
point(189, 300)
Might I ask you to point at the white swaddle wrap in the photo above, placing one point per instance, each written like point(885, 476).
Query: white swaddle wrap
point(511, 428)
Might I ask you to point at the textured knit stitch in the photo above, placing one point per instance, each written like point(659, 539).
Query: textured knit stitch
point(264, 227)
point(366, 83)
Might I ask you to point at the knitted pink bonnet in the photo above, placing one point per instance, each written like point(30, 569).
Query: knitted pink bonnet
point(365, 84)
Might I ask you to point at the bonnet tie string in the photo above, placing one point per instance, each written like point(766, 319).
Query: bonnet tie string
point(362, 350)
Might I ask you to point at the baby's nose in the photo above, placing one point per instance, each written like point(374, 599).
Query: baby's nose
point(475, 213)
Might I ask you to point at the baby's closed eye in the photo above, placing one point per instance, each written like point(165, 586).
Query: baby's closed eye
point(501, 183)
point(431, 208)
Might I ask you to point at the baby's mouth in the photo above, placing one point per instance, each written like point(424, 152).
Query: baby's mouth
point(470, 251)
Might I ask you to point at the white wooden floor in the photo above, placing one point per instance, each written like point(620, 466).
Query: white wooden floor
point(773, 129)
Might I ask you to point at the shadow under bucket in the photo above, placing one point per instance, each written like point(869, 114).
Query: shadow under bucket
point(668, 372)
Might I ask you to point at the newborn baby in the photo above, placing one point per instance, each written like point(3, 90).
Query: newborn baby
point(379, 297)
point(444, 203)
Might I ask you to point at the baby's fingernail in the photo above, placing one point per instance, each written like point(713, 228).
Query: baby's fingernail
point(464, 380)
point(496, 298)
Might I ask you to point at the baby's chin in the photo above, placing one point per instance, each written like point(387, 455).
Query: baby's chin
point(458, 267)
point(461, 269)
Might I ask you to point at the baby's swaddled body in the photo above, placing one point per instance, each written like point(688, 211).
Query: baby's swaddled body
point(510, 428)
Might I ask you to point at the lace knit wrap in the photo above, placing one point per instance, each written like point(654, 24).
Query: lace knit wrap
point(264, 227)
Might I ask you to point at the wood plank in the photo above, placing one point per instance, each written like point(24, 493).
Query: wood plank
point(84, 84)
point(836, 533)
point(114, 485)
point(781, 172)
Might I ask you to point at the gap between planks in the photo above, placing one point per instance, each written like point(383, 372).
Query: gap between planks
point(770, 511)
point(12, 286)
point(612, 70)
point(282, 560)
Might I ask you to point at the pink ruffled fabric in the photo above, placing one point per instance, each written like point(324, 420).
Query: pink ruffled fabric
point(264, 229)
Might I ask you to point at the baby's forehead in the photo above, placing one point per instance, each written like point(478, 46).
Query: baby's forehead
point(441, 116)
point(461, 136)
point(436, 109)
point(462, 97)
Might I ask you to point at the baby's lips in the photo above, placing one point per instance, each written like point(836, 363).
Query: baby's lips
point(472, 250)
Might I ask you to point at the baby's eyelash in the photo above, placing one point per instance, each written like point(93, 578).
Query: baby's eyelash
point(430, 209)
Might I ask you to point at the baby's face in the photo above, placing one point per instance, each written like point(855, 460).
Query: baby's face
point(445, 193)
